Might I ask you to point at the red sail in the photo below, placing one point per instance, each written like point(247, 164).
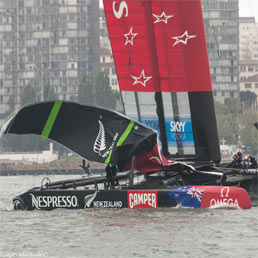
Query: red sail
point(159, 45)
point(161, 60)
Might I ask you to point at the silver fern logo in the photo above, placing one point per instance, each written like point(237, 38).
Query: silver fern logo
point(88, 199)
point(100, 142)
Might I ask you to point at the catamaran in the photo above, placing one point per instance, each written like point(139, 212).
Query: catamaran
point(166, 146)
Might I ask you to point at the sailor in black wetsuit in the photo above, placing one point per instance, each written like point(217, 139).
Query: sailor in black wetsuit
point(237, 159)
point(111, 172)
point(113, 175)
point(252, 162)
point(108, 175)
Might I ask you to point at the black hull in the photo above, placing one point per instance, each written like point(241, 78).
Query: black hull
point(160, 190)
point(36, 199)
point(183, 196)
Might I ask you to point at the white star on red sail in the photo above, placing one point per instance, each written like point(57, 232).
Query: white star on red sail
point(183, 38)
point(162, 18)
point(142, 79)
point(130, 36)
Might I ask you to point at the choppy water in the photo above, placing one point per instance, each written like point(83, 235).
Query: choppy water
point(122, 233)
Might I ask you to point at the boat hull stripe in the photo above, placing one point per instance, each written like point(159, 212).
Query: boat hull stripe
point(51, 119)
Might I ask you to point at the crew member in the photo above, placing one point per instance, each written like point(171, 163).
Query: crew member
point(108, 175)
point(252, 162)
point(245, 162)
point(237, 159)
point(86, 169)
point(113, 175)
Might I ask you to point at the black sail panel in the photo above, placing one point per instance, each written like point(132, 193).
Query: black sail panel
point(91, 132)
point(204, 126)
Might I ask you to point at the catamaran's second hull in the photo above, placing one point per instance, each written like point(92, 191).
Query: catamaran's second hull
point(183, 196)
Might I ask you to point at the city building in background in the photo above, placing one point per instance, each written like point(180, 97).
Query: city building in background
point(47, 42)
point(250, 84)
point(106, 56)
point(222, 35)
point(107, 66)
point(248, 38)
point(56, 42)
point(248, 52)
point(247, 68)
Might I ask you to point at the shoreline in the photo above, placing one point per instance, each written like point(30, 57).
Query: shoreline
point(37, 172)
point(61, 167)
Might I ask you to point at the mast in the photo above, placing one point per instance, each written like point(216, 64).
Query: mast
point(180, 150)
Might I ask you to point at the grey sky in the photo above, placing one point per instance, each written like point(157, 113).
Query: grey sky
point(248, 8)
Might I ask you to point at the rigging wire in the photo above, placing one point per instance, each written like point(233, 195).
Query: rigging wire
point(220, 64)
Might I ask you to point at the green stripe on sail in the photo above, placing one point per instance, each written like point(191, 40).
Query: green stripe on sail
point(125, 133)
point(51, 119)
point(121, 139)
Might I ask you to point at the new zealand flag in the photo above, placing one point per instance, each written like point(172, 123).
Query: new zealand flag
point(187, 196)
